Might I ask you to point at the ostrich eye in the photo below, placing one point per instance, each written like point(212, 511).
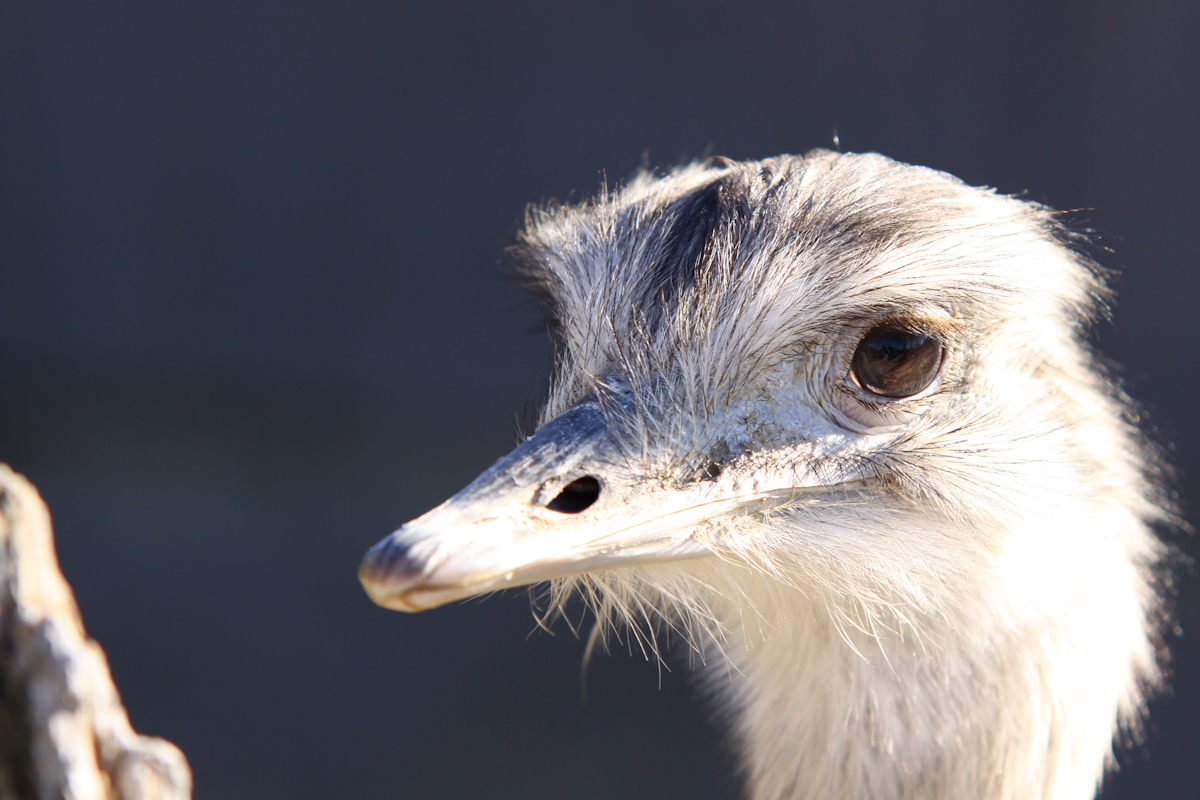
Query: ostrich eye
point(894, 362)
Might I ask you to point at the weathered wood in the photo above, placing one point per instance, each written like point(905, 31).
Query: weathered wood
point(63, 731)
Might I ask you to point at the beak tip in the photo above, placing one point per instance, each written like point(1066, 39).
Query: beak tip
point(387, 573)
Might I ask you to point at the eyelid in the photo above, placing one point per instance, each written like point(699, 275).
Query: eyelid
point(942, 326)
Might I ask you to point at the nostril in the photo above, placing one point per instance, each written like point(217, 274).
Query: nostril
point(576, 496)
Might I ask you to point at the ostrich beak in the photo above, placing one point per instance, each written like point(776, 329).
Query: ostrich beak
point(558, 505)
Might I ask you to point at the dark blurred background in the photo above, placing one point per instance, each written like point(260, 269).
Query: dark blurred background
point(251, 320)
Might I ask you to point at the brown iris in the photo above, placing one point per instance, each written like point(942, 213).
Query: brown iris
point(892, 361)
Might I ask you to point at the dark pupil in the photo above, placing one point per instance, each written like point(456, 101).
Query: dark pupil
point(894, 362)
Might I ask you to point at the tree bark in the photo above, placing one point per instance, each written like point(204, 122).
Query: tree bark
point(63, 731)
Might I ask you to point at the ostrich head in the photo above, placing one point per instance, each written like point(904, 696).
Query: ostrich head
point(830, 418)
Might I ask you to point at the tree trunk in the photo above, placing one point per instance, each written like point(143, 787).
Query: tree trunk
point(63, 731)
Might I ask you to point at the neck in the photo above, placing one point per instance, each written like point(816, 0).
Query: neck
point(986, 698)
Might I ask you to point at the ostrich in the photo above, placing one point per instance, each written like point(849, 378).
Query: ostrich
point(830, 419)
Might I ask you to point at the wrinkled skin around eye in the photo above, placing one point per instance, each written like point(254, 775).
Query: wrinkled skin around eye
point(891, 370)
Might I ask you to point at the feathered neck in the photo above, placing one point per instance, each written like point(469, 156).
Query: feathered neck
point(1010, 692)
